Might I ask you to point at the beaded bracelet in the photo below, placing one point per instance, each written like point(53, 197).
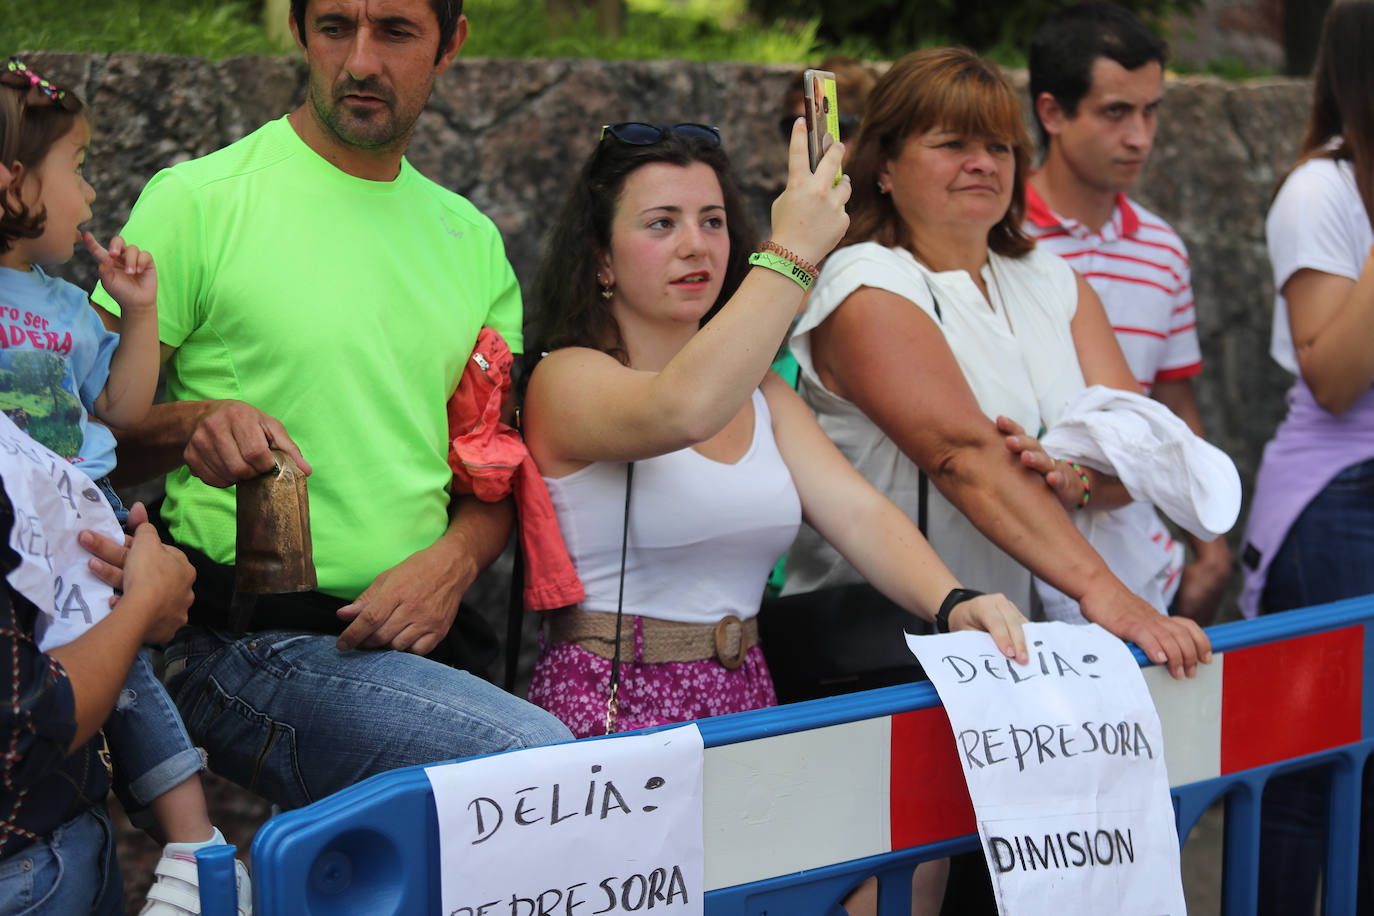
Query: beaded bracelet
point(785, 266)
point(1087, 487)
point(801, 262)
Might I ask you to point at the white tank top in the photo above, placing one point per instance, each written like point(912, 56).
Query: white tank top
point(703, 535)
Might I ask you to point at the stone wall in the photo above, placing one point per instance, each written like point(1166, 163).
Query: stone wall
point(1249, 32)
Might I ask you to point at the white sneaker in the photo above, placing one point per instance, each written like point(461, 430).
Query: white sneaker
point(176, 882)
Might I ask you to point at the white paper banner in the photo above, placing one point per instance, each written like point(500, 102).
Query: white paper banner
point(53, 502)
point(587, 827)
point(1064, 759)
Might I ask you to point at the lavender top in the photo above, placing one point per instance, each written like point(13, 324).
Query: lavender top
point(1318, 222)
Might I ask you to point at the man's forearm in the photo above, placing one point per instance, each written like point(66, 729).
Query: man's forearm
point(411, 606)
point(158, 444)
point(1177, 395)
point(477, 532)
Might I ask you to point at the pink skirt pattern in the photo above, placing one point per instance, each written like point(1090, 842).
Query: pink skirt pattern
point(574, 684)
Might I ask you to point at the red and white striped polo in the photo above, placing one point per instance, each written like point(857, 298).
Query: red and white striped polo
point(1138, 266)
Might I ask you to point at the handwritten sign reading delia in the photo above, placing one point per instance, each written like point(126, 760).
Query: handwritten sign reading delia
point(1064, 759)
point(53, 501)
point(584, 828)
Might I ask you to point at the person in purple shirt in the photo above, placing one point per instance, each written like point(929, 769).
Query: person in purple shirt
point(1310, 536)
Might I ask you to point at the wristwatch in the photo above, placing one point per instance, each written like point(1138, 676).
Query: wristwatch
point(955, 596)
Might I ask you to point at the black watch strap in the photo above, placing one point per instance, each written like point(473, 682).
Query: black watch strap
point(955, 596)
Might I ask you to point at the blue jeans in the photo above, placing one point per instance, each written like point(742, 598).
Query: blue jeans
point(72, 873)
point(151, 750)
point(1327, 555)
point(107, 490)
point(287, 715)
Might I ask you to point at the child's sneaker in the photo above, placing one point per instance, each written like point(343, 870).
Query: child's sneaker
point(176, 881)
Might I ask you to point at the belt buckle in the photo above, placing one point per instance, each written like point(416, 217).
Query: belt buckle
point(722, 634)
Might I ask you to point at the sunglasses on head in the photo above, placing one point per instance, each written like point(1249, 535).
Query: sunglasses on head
point(17, 75)
point(637, 133)
point(849, 126)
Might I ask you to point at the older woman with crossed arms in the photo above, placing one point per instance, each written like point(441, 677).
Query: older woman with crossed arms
point(936, 315)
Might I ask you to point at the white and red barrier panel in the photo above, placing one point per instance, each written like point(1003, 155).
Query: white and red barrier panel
point(789, 803)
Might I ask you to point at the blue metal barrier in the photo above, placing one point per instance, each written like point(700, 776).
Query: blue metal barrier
point(373, 849)
point(215, 869)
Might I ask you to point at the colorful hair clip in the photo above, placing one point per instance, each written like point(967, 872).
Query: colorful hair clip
point(17, 75)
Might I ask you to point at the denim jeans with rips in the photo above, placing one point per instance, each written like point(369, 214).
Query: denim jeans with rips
point(287, 715)
point(152, 752)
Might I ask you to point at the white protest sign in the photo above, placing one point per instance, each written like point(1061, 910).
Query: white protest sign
point(53, 502)
point(604, 826)
point(1064, 759)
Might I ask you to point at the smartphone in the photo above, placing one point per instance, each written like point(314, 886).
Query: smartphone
point(822, 115)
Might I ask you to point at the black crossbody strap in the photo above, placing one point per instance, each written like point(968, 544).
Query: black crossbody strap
point(923, 482)
point(515, 612)
point(922, 493)
point(613, 700)
point(515, 606)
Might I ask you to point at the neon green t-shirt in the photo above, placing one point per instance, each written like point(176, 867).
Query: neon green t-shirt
point(343, 307)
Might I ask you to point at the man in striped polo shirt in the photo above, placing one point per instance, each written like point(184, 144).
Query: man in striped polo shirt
point(1096, 80)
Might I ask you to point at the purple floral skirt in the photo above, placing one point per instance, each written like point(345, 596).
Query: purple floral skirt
point(574, 684)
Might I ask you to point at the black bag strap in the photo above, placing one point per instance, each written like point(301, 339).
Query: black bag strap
point(515, 604)
point(613, 700)
point(922, 493)
point(923, 482)
point(515, 613)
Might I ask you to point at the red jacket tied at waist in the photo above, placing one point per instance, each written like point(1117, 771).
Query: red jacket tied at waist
point(490, 461)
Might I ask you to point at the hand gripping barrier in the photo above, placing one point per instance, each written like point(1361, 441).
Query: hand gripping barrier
point(804, 802)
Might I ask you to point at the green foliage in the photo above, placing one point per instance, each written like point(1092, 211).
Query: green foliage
point(654, 29)
point(213, 29)
point(727, 12)
point(760, 31)
point(896, 27)
point(1228, 68)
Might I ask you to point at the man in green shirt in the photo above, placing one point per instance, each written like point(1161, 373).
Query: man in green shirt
point(318, 295)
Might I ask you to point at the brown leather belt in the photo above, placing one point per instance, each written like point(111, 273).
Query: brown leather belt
point(727, 641)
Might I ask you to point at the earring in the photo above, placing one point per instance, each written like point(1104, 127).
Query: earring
point(882, 188)
point(607, 289)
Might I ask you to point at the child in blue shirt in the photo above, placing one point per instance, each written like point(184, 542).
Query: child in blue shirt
point(58, 367)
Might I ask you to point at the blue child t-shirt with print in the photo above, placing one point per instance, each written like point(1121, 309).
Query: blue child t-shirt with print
point(54, 361)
